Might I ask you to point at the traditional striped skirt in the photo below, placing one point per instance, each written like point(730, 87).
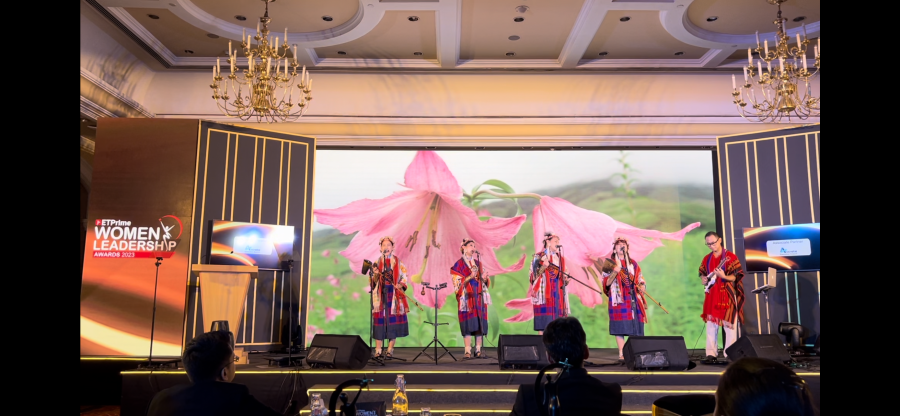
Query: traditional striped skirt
point(625, 318)
point(552, 308)
point(394, 326)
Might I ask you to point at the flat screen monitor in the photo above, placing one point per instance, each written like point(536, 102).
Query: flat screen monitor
point(792, 247)
point(249, 244)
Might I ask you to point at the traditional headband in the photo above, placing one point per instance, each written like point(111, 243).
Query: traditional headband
point(549, 236)
point(465, 241)
point(380, 242)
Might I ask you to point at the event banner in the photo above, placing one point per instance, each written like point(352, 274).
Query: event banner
point(137, 244)
point(662, 202)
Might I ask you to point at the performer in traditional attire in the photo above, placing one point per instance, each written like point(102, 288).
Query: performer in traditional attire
point(471, 282)
point(721, 274)
point(389, 304)
point(549, 295)
point(624, 285)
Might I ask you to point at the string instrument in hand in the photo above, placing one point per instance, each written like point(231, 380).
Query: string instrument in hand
point(712, 274)
point(609, 265)
point(375, 275)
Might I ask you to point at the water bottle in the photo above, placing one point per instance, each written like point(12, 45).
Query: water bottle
point(317, 406)
point(400, 403)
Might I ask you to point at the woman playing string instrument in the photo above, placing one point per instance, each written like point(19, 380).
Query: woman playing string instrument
point(624, 285)
point(390, 307)
point(471, 282)
point(549, 294)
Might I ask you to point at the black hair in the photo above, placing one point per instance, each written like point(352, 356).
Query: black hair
point(712, 234)
point(207, 354)
point(564, 339)
point(754, 386)
point(547, 237)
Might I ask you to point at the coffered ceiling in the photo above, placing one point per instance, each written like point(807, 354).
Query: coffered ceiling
point(465, 34)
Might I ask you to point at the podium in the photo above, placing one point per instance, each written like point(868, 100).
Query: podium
point(223, 294)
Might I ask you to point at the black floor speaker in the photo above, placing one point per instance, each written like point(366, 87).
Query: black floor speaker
point(343, 352)
point(521, 352)
point(759, 345)
point(667, 353)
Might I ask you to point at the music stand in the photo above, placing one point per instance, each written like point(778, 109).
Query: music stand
point(764, 289)
point(435, 341)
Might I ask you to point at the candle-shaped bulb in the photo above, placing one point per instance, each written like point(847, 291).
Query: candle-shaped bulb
point(804, 30)
point(766, 43)
point(229, 48)
point(257, 28)
point(759, 64)
point(798, 41)
point(295, 54)
point(804, 63)
point(818, 45)
point(733, 83)
point(749, 56)
point(285, 37)
point(745, 74)
point(757, 39)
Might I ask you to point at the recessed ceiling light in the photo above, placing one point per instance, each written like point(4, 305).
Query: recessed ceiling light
point(679, 53)
point(712, 18)
point(799, 18)
point(212, 35)
point(624, 19)
point(519, 19)
point(510, 54)
point(342, 53)
point(153, 16)
point(413, 18)
point(603, 53)
point(239, 17)
point(327, 18)
point(188, 51)
point(514, 37)
point(521, 9)
point(417, 53)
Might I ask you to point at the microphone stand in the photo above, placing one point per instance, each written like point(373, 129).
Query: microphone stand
point(435, 341)
point(372, 358)
point(150, 364)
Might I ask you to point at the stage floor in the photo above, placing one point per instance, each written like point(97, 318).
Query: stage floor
point(463, 386)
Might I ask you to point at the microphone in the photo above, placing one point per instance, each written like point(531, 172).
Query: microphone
point(477, 252)
point(558, 246)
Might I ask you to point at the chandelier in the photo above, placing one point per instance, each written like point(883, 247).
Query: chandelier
point(265, 90)
point(783, 88)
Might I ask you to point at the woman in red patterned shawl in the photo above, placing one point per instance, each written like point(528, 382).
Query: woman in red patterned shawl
point(389, 304)
point(549, 292)
point(625, 287)
point(721, 274)
point(471, 282)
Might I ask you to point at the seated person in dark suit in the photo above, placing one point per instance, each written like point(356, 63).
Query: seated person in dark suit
point(579, 393)
point(209, 362)
point(755, 386)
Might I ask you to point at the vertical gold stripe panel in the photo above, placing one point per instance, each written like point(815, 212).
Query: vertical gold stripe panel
point(787, 181)
point(778, 183)
point(253, 183)
point(225, 179)
point(253, 332)
point(237, 138)
point(797, 298)
point(812, 205)
point(730, 204)
point(749, 194)
point(262, 178)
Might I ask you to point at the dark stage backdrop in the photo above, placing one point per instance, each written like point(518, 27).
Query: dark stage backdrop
point(765, 179)
point(157, 182)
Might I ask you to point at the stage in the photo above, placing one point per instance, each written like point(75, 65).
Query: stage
point(465, 386)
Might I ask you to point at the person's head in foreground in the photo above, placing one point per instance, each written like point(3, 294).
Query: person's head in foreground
point(564, 338)
point(753, 386)
point(209, 357)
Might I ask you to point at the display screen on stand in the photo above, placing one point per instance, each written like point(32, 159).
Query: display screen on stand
point(234, 243)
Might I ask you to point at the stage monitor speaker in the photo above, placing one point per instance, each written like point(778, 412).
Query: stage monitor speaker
point(343, 352)
point(521, 352)
point(759, 345)
point(656, 353)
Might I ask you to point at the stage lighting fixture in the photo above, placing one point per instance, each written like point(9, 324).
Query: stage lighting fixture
point(794, 333)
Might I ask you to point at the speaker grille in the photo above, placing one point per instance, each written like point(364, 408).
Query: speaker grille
point(520, 353)
point(321, 355)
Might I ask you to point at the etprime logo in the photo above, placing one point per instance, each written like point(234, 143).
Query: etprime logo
point(118, 238)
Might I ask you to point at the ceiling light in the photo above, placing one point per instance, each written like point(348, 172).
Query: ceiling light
point(153, 16)
point(514, 37)
point(712, 18)
point(510, 54)
point(521, 9)
point(239, 17)
point(519, 19)
point(624, 19)
point(603, 53)
point(212, 35)
point(413, 18)
point(679, 53)
point(327, 18)
point(188, 51)
point(417, 53)
point(342, 53)
point(265, 90)
point(783, 81)
point(799, 18)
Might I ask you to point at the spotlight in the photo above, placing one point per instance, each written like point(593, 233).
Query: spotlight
point(795, 333)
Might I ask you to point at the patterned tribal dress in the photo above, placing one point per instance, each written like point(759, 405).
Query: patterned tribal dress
point(472, 296)
point(627, 315)
point(389, 312)
point(549, 295)
point(725, 300)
